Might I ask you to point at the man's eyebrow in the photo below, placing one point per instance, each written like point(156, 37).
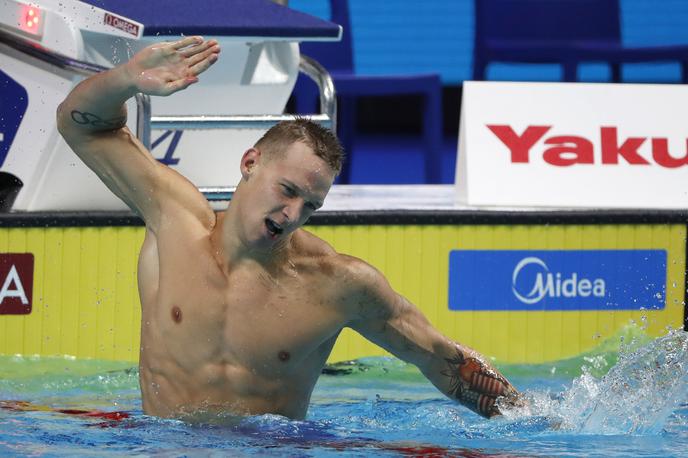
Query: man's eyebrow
point(316, 203)
point(293, 185)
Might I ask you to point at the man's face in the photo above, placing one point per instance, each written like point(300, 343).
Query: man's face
point(283, 191)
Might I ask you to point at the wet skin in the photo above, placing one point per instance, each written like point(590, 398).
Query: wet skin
point(240, 309)
point(249, 334)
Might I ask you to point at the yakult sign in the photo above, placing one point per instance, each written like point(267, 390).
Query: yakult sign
point(557, 279)
point(573, 145)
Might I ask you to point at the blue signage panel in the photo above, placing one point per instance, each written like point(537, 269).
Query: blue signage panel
point(557, 280)
point(13, 103)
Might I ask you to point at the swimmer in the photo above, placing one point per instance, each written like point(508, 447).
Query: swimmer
point(241, 308)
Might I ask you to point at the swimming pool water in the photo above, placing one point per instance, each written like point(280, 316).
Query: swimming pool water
point(613, 404)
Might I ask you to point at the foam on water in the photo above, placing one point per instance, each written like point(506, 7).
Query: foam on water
point(636, 396)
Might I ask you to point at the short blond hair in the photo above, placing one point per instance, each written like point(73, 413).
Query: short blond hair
point(321, 140)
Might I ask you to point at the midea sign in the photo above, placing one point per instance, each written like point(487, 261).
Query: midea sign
point(557, 279)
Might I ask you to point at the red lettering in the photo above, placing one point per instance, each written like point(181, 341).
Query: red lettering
point(121, 24)
point(567, 150)
point(660, 153)
point(628, 149)
point(570, 150)
point(519, 146)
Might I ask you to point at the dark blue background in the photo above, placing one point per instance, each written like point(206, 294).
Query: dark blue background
point(13, 103)
point(410, 36)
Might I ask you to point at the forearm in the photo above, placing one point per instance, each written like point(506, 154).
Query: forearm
point(465, 376)
point(394, 323)
point(97, 103)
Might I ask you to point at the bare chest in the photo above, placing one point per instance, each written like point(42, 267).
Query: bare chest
point(247, 319)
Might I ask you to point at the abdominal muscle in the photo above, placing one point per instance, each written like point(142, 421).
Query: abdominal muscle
point(217, 393)
point(198, 369)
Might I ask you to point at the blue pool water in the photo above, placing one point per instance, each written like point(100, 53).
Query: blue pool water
point(611, 403)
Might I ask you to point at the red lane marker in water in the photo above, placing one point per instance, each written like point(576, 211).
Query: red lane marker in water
point(404, 449)
point(25, 406)
point(116, 416)
point(430, 451)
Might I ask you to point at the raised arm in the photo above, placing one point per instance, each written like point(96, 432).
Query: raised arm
point(92, 119)
point(389, 320)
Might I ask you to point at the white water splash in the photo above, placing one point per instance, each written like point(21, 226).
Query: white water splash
point(636, 396)
point(642, 390)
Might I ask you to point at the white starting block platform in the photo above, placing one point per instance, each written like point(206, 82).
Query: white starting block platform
point(255, 76)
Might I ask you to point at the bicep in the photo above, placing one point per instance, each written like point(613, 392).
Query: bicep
point(122, 164)
point(125, 166)
point(389, 320)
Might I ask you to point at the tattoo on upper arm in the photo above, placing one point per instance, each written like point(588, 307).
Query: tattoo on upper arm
point(83, 117)
point(475, 385)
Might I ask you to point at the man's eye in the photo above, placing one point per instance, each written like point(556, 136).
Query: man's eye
point(311, 206)
point(288, 191)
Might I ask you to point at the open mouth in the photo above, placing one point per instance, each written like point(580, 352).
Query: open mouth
point(273, 228)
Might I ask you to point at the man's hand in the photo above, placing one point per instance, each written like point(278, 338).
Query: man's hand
point(477, 385)
point(165, 68)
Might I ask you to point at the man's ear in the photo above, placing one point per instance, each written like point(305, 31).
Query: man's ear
point(249, 161)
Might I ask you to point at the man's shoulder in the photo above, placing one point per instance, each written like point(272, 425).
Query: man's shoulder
point(348, 283)
point(341, 273)
point(328, 261)
point(310, 245)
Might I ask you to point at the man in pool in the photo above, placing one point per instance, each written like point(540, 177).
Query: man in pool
point(240, 309)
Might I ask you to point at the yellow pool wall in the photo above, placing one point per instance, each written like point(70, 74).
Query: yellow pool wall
point(85, 300)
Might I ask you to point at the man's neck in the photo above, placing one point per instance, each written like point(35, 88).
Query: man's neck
point(233, 250)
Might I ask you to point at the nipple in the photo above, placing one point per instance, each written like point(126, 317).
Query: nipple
point(176, 314)
point(283, 356)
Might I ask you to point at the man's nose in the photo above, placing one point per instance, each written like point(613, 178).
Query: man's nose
point(292, 210)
